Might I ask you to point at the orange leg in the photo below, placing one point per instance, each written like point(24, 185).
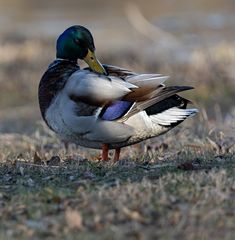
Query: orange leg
point(117, 154)
point(105, 152)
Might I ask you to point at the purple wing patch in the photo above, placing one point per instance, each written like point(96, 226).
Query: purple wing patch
point(115, 110)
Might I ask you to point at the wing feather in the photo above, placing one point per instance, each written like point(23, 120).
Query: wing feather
point(113, 92)
point(163, 93)
point(95, 89)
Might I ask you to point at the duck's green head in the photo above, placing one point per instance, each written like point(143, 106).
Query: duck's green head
point(75, 43)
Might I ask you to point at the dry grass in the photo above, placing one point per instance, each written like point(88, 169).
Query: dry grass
point(179, 190)
point(129, 200)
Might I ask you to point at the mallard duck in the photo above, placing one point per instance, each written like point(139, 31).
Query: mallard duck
point(103, 106)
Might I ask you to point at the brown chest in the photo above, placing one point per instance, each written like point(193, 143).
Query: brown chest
point(53, 81)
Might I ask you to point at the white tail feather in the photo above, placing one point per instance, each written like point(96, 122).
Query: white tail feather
point(172, 115)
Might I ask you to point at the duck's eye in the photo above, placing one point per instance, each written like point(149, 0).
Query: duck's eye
point(77, 41)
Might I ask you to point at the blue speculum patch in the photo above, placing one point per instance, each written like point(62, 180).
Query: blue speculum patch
point(116, 110)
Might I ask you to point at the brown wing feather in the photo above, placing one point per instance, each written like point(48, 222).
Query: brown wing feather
point(140, 94)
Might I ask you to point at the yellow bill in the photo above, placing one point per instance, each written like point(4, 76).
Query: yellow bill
point(93, 63)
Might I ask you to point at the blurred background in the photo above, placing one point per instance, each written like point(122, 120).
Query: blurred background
point(190, 40)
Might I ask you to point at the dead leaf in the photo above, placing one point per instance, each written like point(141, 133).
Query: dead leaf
point(74, 219)
point(187, 166)
point(133, 215)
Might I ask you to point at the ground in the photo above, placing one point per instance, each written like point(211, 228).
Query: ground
point(164, 190)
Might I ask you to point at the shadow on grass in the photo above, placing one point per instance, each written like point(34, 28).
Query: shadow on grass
point(72, 174)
